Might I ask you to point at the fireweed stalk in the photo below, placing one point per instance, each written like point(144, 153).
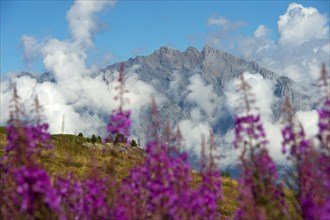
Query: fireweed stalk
point(119, 123)
point(261, 195)
point(324, 140)
point(310, 158)
point(93, 196)
point(26, 189)
point(209, 193)
point(161, 187)
point(150, 190)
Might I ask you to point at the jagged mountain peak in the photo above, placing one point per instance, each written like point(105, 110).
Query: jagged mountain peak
point(207, 50)
point(214, 65)
point(173, 74)
point(192, 50)
point(215, 68)
point(165, 50)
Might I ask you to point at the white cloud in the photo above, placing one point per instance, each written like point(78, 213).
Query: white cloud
point(326, 49)
point(223, 32)
point(302, 46)
point(301, 24)
point(274, 136)
point(174, 87)
point(31, 49)
point(196, 114)
point(260, 87)
point(309, 121)
point(224, 23)
point(83, 98)
point(6, 96)
point(261, 31)
point(140, 93)
point(192, 133)
point(65, 59)
point(263, 91)
point(220, 21)
point(203, 95)
point(82, 20)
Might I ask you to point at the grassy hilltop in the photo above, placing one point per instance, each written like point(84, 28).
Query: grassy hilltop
point(78, 155)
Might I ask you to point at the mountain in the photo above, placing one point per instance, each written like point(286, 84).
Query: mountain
point(215, 69)
point(192, 87)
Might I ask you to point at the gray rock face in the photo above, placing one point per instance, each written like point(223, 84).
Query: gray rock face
point(215, 68)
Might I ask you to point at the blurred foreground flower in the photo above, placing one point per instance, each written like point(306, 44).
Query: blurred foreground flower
point(261, 195)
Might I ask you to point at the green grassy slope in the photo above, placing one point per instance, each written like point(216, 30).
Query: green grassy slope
point(75, 154)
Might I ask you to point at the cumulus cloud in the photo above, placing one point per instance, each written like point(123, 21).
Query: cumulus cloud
point(82, 20)
point(84, 99)
point(31, 50)
point(260, 87)
point(298, 52)
point(65, 59)
point(309, 121)
point(222, 34)
point(192, 132)
point(224, 23)
point(203, 95)
point(261, 31)
point(302, 46)
point(264, 99)
point(301, 24)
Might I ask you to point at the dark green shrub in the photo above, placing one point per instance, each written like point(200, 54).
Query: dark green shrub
point(93, 139)
point(133, 143)
point(225, 174)
point(80, 135)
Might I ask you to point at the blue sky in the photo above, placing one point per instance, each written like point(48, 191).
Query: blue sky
point(131, 28)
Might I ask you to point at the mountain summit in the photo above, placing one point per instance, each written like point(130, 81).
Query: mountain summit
point(211, 63)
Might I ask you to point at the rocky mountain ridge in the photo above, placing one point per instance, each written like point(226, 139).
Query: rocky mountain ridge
point(216, 68)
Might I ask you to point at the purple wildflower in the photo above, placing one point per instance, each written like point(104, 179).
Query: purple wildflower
point(24, 139)
point(210, 190)
point(161, 186)
point(261, 195)
point(312, 163)
point(35, 190)
point(158, 188)
point(70, 191)
point(120, 123)
point(324, 111)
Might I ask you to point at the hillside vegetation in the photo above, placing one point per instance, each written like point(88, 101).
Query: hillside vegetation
point(77, 155)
